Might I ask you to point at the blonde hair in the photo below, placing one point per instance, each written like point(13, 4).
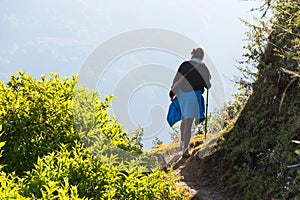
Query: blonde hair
point(198, 53)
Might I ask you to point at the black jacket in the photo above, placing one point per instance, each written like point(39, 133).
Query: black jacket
point(197, 79)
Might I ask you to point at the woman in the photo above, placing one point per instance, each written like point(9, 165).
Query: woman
point(188, 86)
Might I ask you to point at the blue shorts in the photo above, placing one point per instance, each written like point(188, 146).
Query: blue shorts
point(191, 104)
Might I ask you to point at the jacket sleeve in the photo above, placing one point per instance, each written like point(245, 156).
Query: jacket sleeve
point(177, 76)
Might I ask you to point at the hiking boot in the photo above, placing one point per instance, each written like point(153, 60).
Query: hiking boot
point(186, 153)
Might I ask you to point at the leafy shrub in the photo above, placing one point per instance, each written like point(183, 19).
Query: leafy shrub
point(93, 123)
point(12, 187)
point(65, 169)
point(38, 116)
point(43, 122)
point(10, 184)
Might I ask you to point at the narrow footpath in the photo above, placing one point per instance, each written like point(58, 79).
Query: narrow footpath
point(196, 177)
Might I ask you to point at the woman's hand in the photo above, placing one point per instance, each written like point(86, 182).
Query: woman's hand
point(172, 98)
point(172, 95)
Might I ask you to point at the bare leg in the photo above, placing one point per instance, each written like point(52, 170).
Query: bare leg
point(186, 131)
point(182, 128)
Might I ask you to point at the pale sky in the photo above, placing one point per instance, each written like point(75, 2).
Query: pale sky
point(59, 35)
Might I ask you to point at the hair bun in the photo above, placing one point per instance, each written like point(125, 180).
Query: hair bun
point(197, 53)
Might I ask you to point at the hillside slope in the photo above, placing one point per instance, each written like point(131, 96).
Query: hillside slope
point(258, 155)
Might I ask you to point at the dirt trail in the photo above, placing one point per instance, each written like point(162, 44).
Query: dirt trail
point(197, 178)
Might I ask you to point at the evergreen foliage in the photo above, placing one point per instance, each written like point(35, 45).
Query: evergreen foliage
point(258, 155)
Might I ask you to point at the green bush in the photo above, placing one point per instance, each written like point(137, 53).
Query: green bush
point(93, 123)
point(38, 116)
point(61, 143)
point(10, 185)
point(65, 169)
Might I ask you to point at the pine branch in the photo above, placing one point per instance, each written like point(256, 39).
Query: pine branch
point(293, 166)
point(295, 74)
point(284, 93)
